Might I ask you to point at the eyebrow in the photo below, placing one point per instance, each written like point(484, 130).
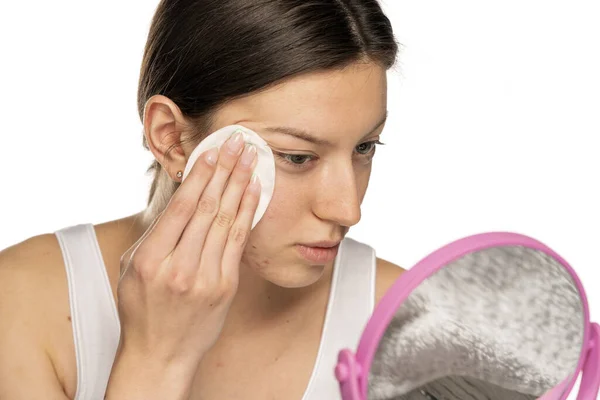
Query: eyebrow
point(308, 137)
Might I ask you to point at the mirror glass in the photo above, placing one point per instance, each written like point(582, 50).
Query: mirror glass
point(504, 323)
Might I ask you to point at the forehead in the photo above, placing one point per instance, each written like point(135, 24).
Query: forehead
point(336, 103)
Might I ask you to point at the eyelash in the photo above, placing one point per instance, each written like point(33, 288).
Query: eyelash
point(285, 157)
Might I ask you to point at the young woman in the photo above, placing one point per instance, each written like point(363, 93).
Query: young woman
point(183, 300)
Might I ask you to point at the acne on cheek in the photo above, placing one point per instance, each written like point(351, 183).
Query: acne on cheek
point(259, 263)
point(252, 259)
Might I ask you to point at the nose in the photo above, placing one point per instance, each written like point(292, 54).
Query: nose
point(337, 198)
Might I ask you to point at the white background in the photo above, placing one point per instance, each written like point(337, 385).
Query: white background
point(493, 124)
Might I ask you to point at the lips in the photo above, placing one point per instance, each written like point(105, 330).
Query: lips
point(319, 253)
point(322, 243)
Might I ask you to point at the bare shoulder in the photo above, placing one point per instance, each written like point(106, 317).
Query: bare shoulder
point(29, 269)
point(33, 294)
point(387, 273)
point(37, 340)
point(32, 283)
point(29, 264)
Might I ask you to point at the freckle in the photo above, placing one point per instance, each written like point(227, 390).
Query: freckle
point(287, 321)
point(69, 318)
point(269, 297)
point(266, 262)
point(219, 364)
point(253, 246)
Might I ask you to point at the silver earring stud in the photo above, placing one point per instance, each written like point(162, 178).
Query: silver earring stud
point(179, 174)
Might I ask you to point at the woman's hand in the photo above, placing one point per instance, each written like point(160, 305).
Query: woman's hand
point(179, 279)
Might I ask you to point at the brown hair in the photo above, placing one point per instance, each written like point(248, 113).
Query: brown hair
point(202, 53)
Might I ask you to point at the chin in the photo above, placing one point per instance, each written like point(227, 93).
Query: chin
point(283, 266)
point(295, 275)
point(286, 272)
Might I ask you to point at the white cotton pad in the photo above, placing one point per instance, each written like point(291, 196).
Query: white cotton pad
point(265, 167)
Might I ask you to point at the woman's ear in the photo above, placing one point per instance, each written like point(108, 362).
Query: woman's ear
point(163, 129)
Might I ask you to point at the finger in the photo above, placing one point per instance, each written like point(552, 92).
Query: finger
point(228, 211)
point(238, 237)
point(182, 205)
point(190, 247)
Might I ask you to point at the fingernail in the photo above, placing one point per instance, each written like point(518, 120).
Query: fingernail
point(255, 183)
point(235, 143)
point(212, 155)
point(248, 155)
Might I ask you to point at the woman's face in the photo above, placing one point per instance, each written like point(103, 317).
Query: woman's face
point(321, 179)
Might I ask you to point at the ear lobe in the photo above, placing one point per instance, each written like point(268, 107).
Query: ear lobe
point(163, 128)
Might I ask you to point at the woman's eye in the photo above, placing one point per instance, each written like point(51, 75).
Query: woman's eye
point(367, 147)
point(295, 160)
point(298, 159)
point(304, 160)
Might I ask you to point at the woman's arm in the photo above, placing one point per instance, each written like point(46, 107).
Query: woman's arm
point(26, 369)
point(139, 377)
point(31, 302)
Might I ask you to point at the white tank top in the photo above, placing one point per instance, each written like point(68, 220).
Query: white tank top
point(96, 328)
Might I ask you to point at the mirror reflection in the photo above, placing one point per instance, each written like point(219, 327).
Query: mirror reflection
point(504, 323)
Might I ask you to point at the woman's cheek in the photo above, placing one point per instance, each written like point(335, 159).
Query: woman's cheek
point(282, 202)
point(253, 259)
point(288, 206)
point(267, 228)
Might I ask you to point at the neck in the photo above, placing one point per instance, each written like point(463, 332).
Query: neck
point(260, 304)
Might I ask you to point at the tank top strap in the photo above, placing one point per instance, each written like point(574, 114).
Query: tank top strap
point(351, 303)
point(94, 316)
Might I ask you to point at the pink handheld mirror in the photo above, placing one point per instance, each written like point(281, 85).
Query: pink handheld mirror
point(496, 316)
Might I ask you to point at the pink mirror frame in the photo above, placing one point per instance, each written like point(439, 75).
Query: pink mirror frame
point(352, 370)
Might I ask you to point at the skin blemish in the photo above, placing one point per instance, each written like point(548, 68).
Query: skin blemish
point(69, 318)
